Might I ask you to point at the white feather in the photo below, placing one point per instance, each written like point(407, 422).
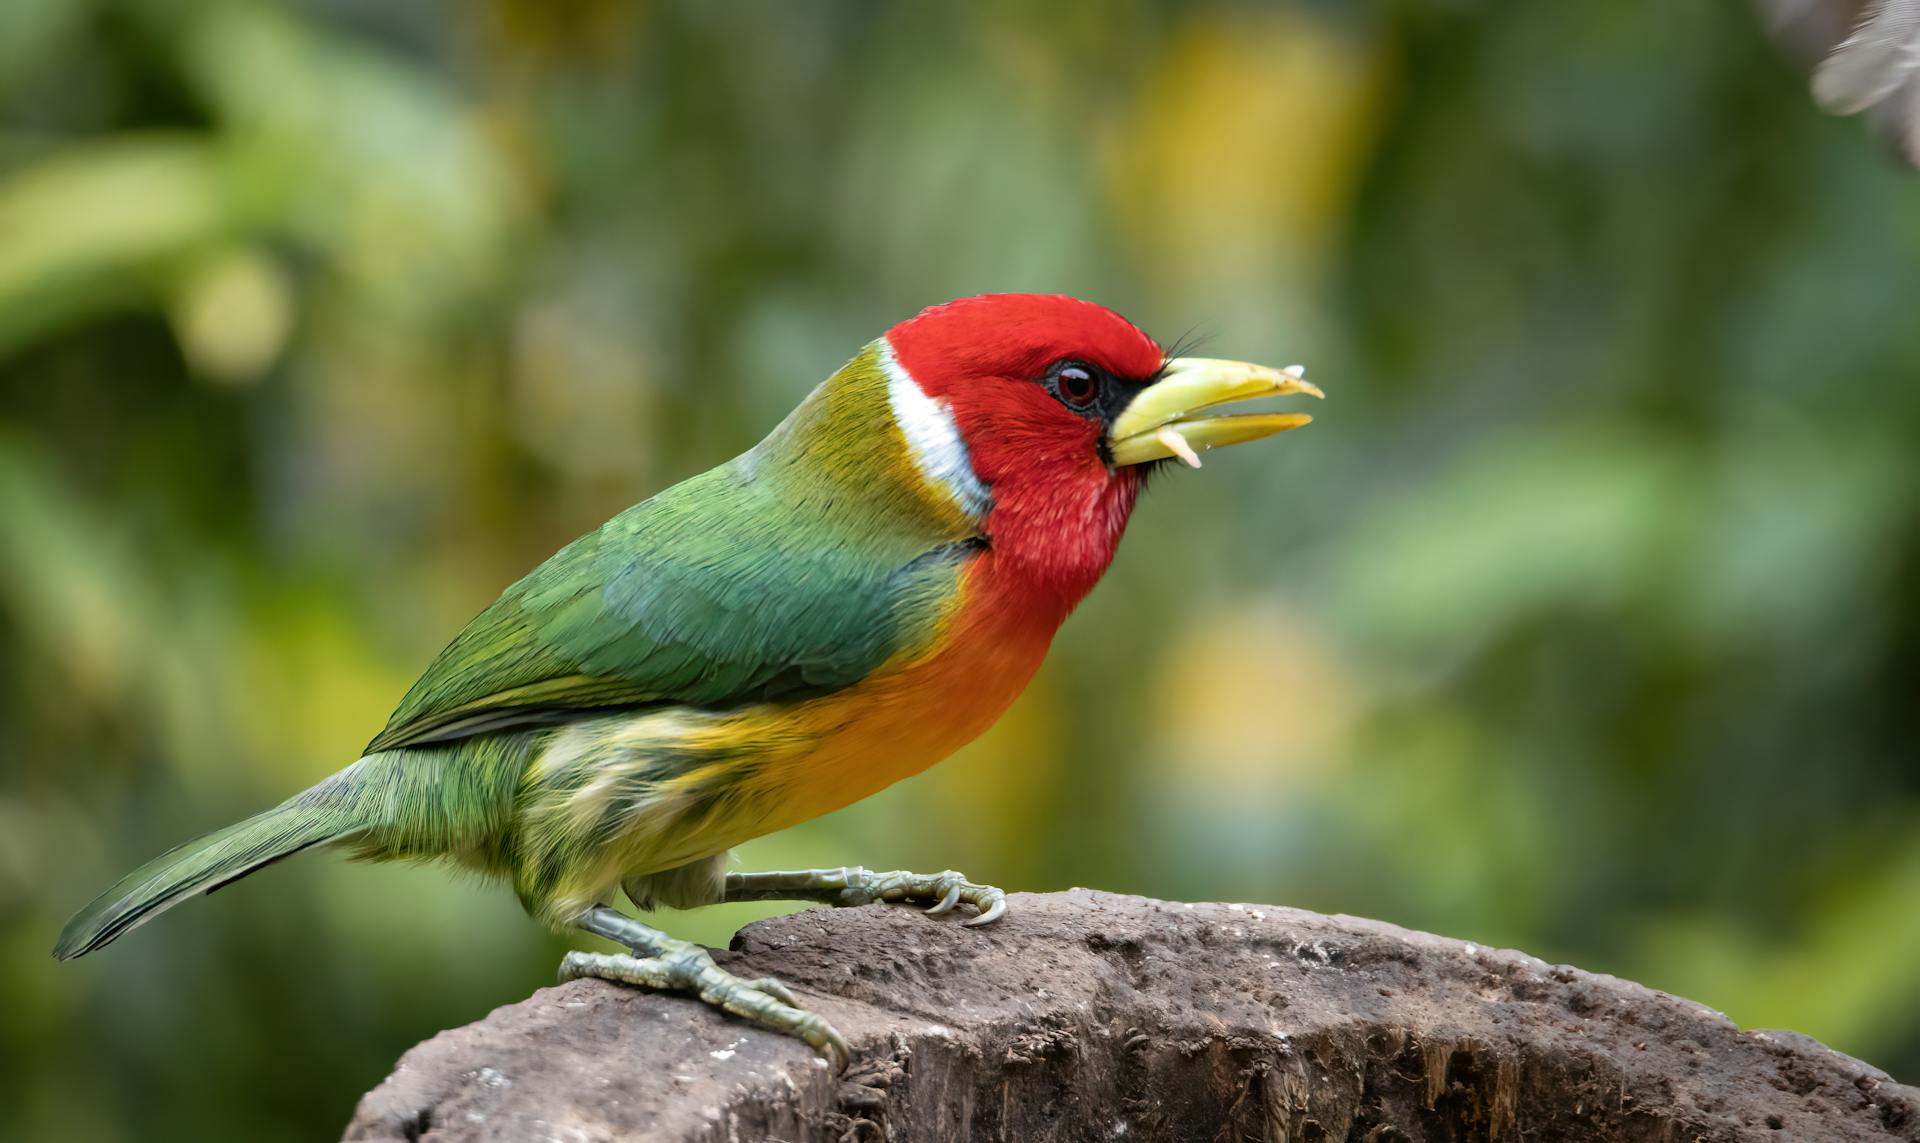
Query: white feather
point(933, 438)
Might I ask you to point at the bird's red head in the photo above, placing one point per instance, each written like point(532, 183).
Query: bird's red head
point(1032, 383)
point(1041, 413)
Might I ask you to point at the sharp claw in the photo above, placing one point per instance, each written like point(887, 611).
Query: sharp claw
point(837, 1048)
point(949, 901)
point(822, 1037)
point(993, 913)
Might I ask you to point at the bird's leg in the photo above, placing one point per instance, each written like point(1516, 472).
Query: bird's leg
point(857, 886)
point(663, 962)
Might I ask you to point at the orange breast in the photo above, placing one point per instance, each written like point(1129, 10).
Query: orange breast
point(907, 717)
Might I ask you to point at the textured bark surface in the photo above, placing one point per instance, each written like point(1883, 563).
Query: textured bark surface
point(1087, 1015)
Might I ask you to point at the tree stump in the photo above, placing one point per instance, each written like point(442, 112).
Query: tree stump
point(1087, 1015)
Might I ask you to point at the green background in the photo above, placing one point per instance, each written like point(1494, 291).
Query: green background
point(1585, 619)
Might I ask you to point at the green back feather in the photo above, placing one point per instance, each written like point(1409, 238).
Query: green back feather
point(795, 569)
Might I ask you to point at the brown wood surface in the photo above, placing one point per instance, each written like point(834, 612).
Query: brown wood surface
point(1091, 1016)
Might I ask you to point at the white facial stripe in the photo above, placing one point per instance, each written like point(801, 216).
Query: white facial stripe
point(933, 438)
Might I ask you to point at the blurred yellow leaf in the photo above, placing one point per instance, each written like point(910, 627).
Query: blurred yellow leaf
point(1251, 700)
point(1247, 143)
point(78, 228)
point(233, 315)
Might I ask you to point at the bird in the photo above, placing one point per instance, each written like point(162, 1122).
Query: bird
point(837, 608)
point(1864, 56)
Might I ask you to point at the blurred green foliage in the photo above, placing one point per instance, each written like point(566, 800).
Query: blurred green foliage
point(1586, 619)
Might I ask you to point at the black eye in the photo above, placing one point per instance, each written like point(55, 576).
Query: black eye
point(1076, 384)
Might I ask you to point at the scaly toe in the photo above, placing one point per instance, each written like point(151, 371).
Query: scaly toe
point(776, 1009)
point(774, 988)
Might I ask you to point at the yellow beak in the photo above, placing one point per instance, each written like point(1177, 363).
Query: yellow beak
point(1156, 424)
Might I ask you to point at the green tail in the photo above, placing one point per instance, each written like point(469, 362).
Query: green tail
point(330, 811)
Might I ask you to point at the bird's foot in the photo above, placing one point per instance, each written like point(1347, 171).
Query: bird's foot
point(945, 889)
point(856, 886)
point(672, 965)
point(689, 968)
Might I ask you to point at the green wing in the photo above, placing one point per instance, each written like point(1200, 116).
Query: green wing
point(719, 591)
